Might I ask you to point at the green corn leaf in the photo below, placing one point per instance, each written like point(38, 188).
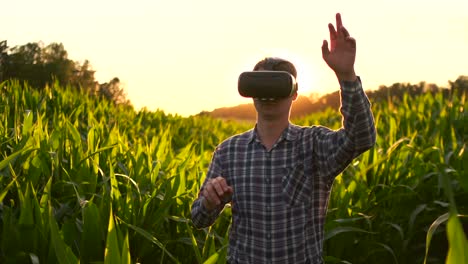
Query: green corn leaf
point(112, 251)
point(213, 259)
point(5, 190)
point(75, 134)
point(389, 250)
point(98, 151)
point(93, 234)
point(115, 193)
point(6, 161)
point(26, 215)
point(463, 156)
point(217, 257)
point(126, 258)
point(45, 198)
point(62, 251)
point(344, 229)
point(27, 122)
point(431, 231)
point(195, 247)
point(55, 139)
point(153, 239)
point(458, 245)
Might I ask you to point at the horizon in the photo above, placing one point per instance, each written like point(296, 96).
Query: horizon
point(175, 56)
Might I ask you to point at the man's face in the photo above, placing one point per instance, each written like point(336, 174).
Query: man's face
point(274, 108)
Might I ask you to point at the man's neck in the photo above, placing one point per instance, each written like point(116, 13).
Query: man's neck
point(269, 131)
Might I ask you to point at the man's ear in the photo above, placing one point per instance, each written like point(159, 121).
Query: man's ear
point(294, 97)
point(296, 88)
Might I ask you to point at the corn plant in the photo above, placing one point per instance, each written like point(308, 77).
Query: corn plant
point(84, 180)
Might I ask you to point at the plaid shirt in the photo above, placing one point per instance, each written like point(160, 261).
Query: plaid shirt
point(280, 196)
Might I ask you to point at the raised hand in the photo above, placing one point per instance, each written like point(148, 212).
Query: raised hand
point(342, 53)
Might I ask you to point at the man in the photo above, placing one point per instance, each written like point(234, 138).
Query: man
point(278, 176)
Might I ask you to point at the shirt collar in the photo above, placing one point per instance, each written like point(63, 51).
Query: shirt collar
point(290, 134)
point(252, 135)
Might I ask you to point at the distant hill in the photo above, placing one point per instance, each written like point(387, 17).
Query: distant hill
point(306, 105)
point(301, 107)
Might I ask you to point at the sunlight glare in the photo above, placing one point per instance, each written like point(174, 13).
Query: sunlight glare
point(306, 72)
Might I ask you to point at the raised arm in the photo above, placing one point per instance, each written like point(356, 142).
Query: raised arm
point(334, 150)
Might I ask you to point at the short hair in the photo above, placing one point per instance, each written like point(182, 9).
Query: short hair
point(276, 64)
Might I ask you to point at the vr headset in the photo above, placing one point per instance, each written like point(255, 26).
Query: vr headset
point(266, 85)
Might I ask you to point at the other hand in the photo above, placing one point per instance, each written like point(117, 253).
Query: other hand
point(216, 192)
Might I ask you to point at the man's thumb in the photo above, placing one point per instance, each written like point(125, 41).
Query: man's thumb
point(325, 50)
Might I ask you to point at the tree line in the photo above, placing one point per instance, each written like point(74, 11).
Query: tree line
point(40, 65)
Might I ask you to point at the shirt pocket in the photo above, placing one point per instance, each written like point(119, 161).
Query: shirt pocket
point(296, 186)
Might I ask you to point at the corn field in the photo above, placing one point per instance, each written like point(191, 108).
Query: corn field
point(87, 181)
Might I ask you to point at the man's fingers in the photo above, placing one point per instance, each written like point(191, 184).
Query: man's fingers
point(325, 50)
point(339, 23)
point(228, 193)
point(217, 191)
point(332, 30)
point(345, 32)
point(223, 184)
point(211, 196)
point(218, 188)
point(352, 42)
point(227, 196)
point(213, 192)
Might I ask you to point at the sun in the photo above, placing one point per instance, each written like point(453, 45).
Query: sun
point(306, 70)
point(305, 76)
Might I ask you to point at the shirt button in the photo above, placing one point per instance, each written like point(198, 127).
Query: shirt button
point(267, 180)
point(269, 236)
point(268, 208)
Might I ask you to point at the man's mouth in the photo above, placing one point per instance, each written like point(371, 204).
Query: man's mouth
point(267, 100)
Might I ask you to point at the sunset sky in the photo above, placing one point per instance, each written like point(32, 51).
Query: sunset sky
point(184, 57)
